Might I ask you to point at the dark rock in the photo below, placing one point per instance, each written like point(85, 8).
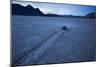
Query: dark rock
point(64, 28)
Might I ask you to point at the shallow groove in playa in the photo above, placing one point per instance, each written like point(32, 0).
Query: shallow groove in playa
point(32, 49)
point(34, 56)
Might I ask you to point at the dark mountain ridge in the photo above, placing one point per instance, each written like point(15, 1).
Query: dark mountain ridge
point(18, 9)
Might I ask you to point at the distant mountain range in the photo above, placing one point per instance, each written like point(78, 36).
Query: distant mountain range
point(28, 10)
point(91, 15)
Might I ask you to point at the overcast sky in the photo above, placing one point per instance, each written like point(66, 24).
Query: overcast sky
point(61, 9)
